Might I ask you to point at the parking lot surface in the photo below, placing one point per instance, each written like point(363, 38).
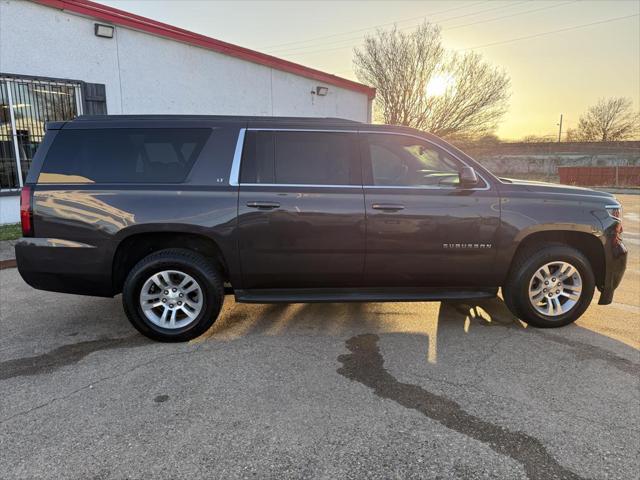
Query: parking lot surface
point(404, 390)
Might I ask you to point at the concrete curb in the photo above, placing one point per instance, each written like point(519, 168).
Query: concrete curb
point(5, 264)
point(7, 254)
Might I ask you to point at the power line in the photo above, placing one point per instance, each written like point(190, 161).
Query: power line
point(293, 52)
point(271, 47)
point(511, 15)
point(351, 40)
point(535, 35)
point(288, 51)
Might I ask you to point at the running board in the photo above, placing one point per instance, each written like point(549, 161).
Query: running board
point(323, 295)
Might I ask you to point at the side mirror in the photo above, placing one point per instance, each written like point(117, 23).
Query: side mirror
point(468, 177)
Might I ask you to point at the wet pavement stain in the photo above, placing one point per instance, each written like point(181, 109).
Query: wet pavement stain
point(64, 355)
point(365, 365)
point(161, 398)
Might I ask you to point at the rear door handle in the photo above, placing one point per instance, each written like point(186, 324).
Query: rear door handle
point(388, 207)
point(263, 205)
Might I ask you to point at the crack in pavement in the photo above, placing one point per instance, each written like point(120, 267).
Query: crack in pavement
point(64, 355)
point(99, 380)
point(365, 365)
point(571, 414)
point(581, 350)
point(586, 351)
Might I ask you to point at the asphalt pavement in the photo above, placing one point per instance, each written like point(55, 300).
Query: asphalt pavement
point(397, 390)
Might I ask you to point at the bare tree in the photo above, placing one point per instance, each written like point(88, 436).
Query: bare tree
point(572, 135)
point(470, 95)
point(609, 120)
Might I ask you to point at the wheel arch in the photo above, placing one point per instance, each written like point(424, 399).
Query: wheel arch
point(584, 241)
point(134, 247)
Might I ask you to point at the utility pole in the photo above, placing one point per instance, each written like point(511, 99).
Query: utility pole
point(560, 130)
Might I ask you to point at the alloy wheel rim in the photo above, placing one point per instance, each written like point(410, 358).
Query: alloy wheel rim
point(171, 299)
point(555, 288)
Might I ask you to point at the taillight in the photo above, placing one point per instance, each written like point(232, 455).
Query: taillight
point(26, 211)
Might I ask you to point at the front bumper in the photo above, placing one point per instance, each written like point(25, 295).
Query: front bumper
point(615, 262)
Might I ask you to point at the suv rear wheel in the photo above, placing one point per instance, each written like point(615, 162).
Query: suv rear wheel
point(173, 295)
point(550, 287)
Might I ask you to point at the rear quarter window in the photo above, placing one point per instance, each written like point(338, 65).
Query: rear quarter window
point(135, 155)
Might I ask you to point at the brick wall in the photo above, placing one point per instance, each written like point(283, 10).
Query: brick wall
point(600, 176)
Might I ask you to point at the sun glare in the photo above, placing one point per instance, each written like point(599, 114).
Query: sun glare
point(439, 85)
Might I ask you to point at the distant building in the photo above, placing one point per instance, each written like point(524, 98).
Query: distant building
point(63, 58)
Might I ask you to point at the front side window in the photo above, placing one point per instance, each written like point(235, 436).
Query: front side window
point(403, 161)
point(300, 158)
point(123, 155)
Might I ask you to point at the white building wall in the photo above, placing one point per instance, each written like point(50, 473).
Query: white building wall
point(9, 209)
point(159, 75)
point(41, 41)
point(148, 74)
point(292, 97)
point(144, 73)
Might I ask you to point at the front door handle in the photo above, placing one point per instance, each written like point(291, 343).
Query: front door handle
point(388, 207)
point(263, 205)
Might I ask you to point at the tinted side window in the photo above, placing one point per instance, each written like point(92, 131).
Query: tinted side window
point(121, 155)
point(301, 158)
point(397, 160)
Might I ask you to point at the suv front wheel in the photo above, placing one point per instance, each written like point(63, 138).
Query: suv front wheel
point(173, 295)
point(551, 287)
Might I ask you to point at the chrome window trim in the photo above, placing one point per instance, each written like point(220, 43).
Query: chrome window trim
point(327, 130)
point(234, 176)
point(299, 185)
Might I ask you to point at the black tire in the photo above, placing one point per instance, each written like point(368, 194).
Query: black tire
point(516, 289)
point(190, 263)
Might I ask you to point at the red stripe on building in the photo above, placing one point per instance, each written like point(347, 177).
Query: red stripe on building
point(125, 19)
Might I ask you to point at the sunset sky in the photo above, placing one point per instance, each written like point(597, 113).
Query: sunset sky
point(575, 51)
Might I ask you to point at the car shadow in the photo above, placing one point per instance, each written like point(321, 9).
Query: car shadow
point(461, 319)
point(444, 325)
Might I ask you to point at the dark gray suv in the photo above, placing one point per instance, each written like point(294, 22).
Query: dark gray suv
point(175, 211)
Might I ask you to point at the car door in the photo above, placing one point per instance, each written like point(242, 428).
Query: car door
point(423, 228)
point(301, 210)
